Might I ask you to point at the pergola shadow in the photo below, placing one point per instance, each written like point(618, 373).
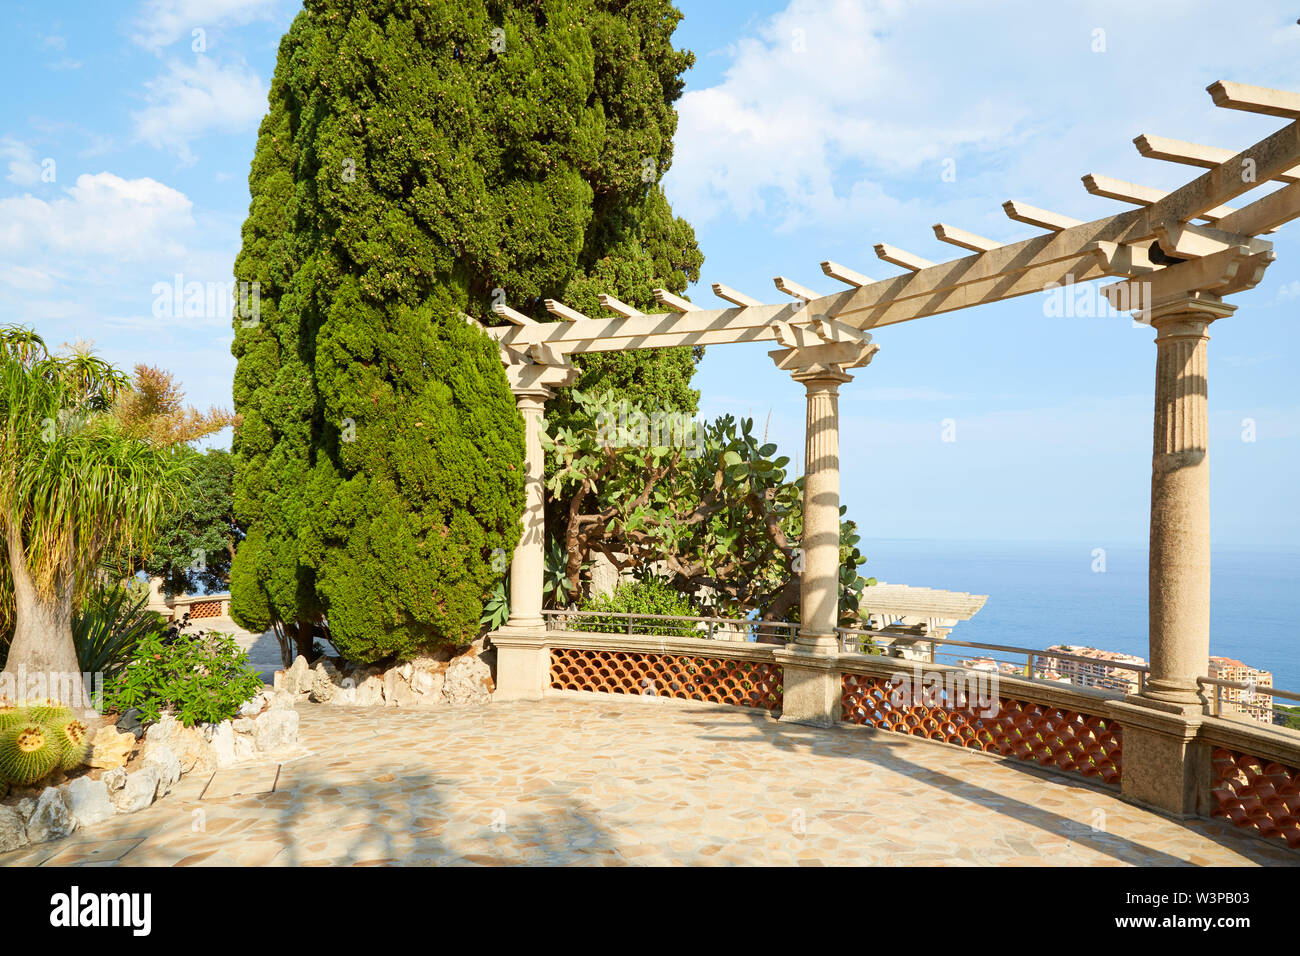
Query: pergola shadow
point(886, 749)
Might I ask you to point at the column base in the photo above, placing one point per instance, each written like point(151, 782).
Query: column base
point(523, 662)
point(811, 690)
point(1163, 764)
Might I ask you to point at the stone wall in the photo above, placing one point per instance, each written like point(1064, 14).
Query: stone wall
point(439, 680)
point(265, 725)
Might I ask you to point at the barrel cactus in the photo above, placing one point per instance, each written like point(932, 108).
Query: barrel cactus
point(73, 740)
point(28, 752)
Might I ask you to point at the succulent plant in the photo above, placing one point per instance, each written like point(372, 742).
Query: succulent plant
point(11, 714)
point(28, 752)
point(48, 712)
point(72, 737)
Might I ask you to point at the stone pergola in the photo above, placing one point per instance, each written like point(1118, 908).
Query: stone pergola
point(1177, 255)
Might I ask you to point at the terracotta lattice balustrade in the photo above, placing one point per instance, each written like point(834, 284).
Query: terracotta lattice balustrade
point(1258, 794)
point(1050, 736)
point(205, 609)
point(711, 679)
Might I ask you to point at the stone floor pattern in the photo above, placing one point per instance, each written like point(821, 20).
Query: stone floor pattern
point(591, 779)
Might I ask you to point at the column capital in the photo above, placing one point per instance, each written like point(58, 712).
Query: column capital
point(535, 381)
point(1188, 314)
point(825, 364)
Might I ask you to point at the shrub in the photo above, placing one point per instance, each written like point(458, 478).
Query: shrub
point(648, 596)
point(109, 626)
point(199, 678)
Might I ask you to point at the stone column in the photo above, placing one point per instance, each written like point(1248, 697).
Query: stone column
point(1165, 764)
point(1179, 595)
point(523, 661)
point(810, 674)
point(819, 585)
point(527, 568)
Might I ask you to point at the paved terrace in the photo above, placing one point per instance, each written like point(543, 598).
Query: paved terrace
point(610, 780)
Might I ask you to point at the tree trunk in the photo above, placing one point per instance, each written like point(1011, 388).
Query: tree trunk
point(42, 660)
point(304, 638)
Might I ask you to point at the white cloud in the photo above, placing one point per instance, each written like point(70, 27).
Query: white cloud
point(26, 279)
point(163, 22)
point(189, 101)
point(23, 167)
point(1289, 292)
point(829, 99)
point(101, 215)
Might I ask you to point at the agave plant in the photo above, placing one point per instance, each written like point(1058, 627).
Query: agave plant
point(496, 609)
point(109, 626)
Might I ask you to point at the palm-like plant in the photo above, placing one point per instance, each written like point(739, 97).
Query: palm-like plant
point(74, 485)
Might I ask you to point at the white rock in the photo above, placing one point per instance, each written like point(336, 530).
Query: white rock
point(468, 681)
point(276, 730)
point(253, 707)
point(223, 743)
point(140, 791)
point(51, 820)
point(13, 831)
point(114, 780)
point(88, 801)
point(169, 765)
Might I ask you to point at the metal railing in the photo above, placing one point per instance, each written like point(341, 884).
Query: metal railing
point(671, 625)
point(1251, 702)
point(1058, 667)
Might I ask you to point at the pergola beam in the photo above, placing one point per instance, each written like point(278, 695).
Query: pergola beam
point(1111, 188)
point(619, 306)
point(1194, 154)
point(1255, 99)
point(728, 294)
point(845, 274)
point(966, 240)
point(1033, 216)
point(792, 288)
point(900, 258)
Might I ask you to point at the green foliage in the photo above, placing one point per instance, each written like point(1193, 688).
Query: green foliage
point(558, 589)
point(417, 158)
point(650, 595)
point(721, 512)
point(109, 625)
point(200, 678)
point(195, 546)
point(76, 485)
point(28, 753)
point(496, 609)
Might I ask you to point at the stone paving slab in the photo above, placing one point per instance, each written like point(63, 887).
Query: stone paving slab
point(597, 780)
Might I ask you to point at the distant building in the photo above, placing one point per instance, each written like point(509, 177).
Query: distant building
point(1099, 670)
point(1233, 702)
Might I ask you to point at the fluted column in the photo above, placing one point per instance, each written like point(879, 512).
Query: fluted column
point(527, 568)
point(1179, 597)
point(819, 586)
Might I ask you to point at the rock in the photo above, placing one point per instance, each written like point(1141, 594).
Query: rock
point(191, 750)
point(427, 686)
point(245, 748)
point(298, 679)
point(283, 701)
point(52, 820)
point(109, 748)
point(243, 725)
point(252, 708)
point(88, 801)
point(114, 780)
point(169, 765)
point(129, 723)
point(222, 742)
point(13, 830)
point(323, 681)
point(468, 681)
point(276, 730)
point(140, 790)
point(370, 690)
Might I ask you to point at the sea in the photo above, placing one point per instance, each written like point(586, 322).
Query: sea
point(1041, 594)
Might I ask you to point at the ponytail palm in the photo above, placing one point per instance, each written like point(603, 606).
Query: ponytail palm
point(74, 485)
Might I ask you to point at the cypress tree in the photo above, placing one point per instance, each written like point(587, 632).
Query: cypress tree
point(420, 160)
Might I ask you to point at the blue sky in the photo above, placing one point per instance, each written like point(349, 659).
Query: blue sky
point(810, 130)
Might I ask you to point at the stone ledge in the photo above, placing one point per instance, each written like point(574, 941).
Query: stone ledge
point(1258, 740)
point(266, 724)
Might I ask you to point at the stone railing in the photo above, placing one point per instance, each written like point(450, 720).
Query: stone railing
point(1180, 764)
